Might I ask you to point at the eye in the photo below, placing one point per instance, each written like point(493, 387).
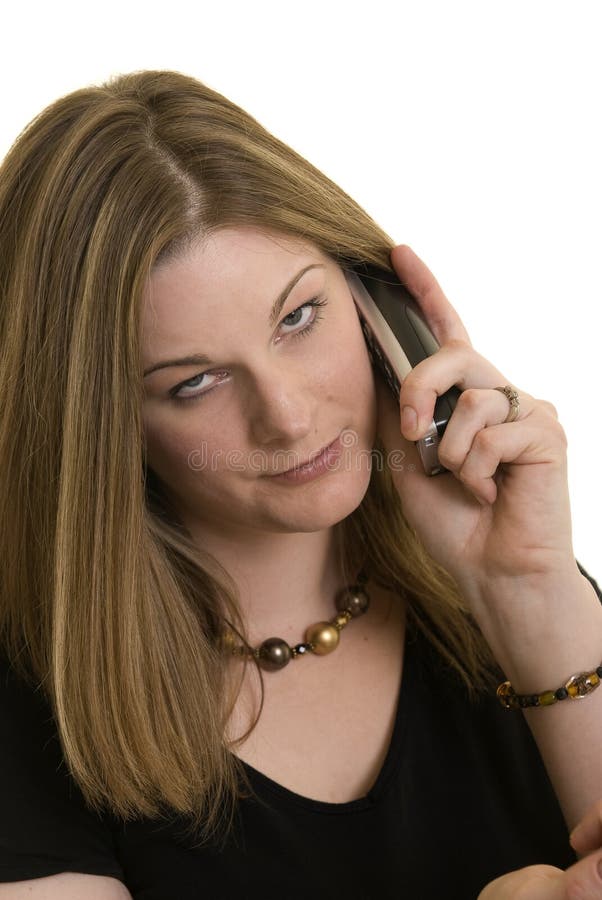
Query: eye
point(316, 302)
point(197, 380)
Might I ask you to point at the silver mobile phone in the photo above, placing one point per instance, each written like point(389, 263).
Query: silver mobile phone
point(398, 338)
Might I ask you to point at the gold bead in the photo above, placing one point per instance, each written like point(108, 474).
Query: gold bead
point(323, 636)
point(341, 620)
point(227, 641)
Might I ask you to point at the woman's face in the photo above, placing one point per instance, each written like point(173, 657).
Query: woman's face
point(270, 395)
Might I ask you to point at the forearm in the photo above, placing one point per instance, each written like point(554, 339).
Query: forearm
point(549, 632)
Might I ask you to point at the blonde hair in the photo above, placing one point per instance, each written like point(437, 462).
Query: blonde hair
point(105, 602)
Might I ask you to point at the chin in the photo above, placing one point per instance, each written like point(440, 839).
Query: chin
point(324, 503)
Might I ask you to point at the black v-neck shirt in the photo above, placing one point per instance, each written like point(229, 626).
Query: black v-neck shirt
point(462, 797)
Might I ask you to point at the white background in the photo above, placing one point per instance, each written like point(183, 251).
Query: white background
point(469, 130)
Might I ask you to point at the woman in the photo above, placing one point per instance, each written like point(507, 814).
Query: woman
point(203, 655)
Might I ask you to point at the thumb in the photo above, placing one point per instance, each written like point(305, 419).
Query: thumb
point(533, 883)
point(584, 878)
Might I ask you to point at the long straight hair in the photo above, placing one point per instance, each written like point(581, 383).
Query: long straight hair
point(106, 604)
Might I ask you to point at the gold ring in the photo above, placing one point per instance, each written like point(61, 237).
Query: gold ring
point(512, 396)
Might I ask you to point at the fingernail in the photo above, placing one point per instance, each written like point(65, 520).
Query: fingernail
point(409, 420)
point(575, 832)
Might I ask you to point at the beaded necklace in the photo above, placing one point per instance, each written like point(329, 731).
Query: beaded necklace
point(321, 638)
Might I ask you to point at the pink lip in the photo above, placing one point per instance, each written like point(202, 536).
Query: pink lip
point(317, 466)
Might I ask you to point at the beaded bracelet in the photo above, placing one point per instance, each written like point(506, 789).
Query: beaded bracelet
point(576, 688)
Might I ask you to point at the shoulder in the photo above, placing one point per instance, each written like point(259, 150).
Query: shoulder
point(45, 826)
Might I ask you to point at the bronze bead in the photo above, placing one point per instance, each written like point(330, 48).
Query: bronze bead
point(323, 636)
point(274, 653)
point(355, 599)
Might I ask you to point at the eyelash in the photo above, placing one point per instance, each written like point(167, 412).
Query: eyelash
point(316, 302)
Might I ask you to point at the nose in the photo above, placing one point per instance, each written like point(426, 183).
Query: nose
point(280, 407)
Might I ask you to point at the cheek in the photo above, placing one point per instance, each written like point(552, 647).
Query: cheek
point(172, 444)
point(357, 382)
point(167, 451)
point(182, 457)
point(353, 366)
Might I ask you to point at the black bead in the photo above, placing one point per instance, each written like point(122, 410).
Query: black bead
point(300, 649)
point(523, 702)
point(561, 693)
point(599, 671)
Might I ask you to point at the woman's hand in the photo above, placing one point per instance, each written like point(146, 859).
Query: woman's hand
point(582, 881)
point(502, 511)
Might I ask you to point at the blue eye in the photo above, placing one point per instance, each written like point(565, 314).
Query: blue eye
point(311, 304)
point(196, 380)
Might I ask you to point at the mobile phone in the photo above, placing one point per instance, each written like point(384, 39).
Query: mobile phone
point(398, 338)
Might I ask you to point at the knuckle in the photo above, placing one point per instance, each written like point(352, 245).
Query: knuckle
point(560, 434)
point(463, 476)
point(447, 458)
point(415, 380)
point(466, 474)
point(456, 344)
point(470, 398)
point(549, 408)
point(484, 441)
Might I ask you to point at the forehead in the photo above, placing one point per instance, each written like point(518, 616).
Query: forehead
point(219, 277)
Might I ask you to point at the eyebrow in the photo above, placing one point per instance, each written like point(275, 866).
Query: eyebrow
point(198, 359)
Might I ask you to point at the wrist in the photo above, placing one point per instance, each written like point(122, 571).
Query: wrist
point(543, 631)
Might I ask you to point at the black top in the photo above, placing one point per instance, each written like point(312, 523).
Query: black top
point(462, 798)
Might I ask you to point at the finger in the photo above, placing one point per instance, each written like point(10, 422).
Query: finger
point(454, 364)
point(584, 878)
point(587, 835)
point(475, 410)
point(521, 443)
point(444, 321)
point(531, 883)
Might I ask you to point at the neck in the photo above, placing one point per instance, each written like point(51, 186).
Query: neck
point(286, 581)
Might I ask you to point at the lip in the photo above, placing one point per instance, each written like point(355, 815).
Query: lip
point(317, 466)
